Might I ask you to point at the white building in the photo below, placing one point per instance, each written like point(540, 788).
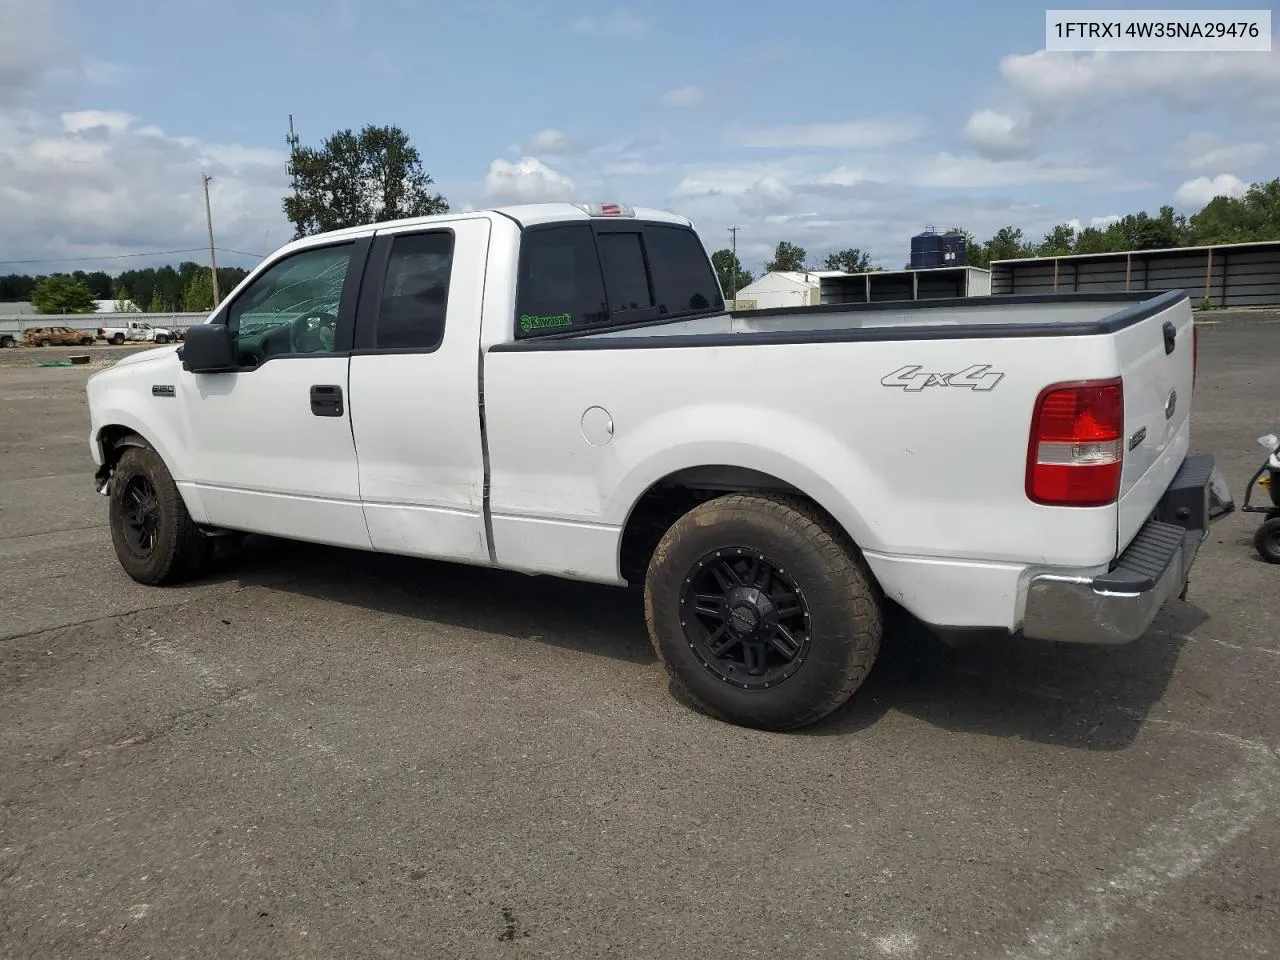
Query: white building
point(785, 288)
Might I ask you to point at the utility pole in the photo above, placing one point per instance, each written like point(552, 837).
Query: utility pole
point(733, 267)
point(292, 141)
point(213, 259)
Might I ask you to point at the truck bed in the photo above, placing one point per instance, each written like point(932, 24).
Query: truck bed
point(1030, 315)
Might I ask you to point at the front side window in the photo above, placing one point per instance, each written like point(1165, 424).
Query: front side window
point(415, 292)
point(293, 306)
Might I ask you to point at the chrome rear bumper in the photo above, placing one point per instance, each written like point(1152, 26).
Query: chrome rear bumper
point(1119, 606)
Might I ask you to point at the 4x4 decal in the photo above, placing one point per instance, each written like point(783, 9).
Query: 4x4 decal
point(913, 379)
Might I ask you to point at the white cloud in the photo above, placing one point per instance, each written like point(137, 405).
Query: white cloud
point(868, 134)
point(1206, 151)
point(948, 170)
point(767, 195)
point(92, 183)
point(528, 181)
point(1070, 78)
point(81, 120)
point(1194, 194)
point(620, 23)
point(1104, 221)
point(30, 46)
point(686, 96)
point(550, 143)
point(997, 135)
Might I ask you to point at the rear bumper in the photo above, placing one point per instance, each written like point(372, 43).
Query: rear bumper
point(1119, 606)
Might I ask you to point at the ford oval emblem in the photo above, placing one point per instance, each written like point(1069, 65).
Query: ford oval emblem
point(1171, 404)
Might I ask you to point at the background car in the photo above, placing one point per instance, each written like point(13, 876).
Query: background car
point(59, 336)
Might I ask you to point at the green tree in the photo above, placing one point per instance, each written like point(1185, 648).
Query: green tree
point(852, 260)
point(1093, 240)
point(62, 294)
point(1008, 244)
point(729, 270)
point(786, 256)
point(1058, 242)
point(156, 305)
point(1255, 216)
point(358, 178)
point(197, 295)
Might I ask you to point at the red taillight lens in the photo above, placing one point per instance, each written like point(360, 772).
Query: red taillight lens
point(1076, 451)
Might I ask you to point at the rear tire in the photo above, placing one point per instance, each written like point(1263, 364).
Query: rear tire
point(154, 537)
point(6, 342)
point(118, 339)
point(777, 658)
point(1267, 540)
point(46, 343)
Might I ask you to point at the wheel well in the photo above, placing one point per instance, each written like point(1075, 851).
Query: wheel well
point(675, 495)
point(114, 440)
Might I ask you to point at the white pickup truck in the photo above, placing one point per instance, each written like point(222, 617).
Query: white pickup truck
point(557, 389)
point(136, 330)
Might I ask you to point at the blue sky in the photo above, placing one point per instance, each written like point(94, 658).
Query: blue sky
point(827, 124)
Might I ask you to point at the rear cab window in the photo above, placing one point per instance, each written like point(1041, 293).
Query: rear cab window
point(576, 277)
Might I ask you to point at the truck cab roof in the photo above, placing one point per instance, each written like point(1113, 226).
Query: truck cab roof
point(524, 214)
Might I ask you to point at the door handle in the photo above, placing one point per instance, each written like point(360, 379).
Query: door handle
point(326, 400)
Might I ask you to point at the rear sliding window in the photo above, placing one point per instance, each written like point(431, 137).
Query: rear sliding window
point(574, 277)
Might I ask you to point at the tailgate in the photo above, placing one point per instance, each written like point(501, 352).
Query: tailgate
point(1157, 362)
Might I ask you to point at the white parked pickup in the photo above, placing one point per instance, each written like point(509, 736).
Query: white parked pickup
point(136, 330)
point(557, 389)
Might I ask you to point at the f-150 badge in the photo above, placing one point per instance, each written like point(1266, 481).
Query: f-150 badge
point(913, 379)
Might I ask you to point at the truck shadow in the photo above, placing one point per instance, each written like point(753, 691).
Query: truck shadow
point(1076, 696)
point(604, 621)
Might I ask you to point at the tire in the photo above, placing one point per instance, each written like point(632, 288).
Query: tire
point(162, 339)
point(6, 342)
point(819, 586)
point(1267, 540)
point(86, 341)
point(46, 343)
point(178, 551)
point(118, 339)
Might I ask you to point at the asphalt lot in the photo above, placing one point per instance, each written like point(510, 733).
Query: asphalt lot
point(319, 753)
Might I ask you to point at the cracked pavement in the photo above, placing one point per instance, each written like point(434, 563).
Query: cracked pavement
point(319, 753)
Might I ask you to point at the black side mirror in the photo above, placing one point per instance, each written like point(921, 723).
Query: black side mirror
point(208, 349)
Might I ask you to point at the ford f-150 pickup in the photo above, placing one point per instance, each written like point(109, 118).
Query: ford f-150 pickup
point(558, 389)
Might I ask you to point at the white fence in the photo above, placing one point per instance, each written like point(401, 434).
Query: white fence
point(17, 324)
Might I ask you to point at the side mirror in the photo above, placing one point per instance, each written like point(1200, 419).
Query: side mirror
point(208, 349)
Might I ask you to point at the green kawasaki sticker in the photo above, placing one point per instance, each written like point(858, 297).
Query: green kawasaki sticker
point(528, 322)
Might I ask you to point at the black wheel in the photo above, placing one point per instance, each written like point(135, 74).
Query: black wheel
point(86, 341)
point(1267, 540)
point(6, 342)
point(118, 339)
point(162, 339)
point(46, 343)
point(154, 537)
point(763, 611)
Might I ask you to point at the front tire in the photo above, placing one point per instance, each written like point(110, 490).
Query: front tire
point(763, 612)
point(86, 341)
point(154, 537)
point(46, 343)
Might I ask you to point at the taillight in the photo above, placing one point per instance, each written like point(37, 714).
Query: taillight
point(1076, 451)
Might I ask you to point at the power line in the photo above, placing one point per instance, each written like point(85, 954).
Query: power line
point(126, 256)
